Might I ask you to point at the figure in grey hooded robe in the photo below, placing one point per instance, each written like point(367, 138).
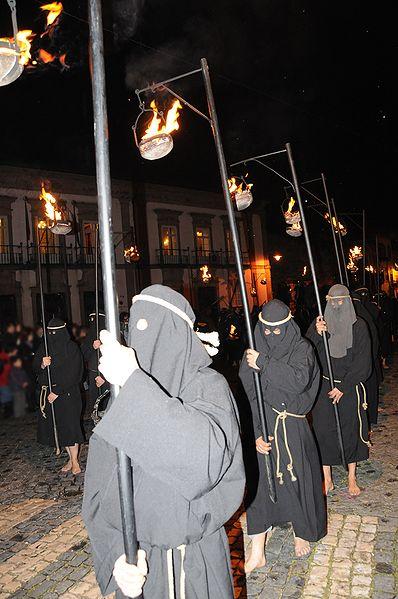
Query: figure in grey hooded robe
point(177, 421)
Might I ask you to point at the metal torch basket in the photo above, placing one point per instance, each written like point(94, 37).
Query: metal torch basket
point(156, 146)
point(10, 69)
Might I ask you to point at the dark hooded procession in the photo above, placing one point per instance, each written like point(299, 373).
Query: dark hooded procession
point(210, 399)
point(178, 421)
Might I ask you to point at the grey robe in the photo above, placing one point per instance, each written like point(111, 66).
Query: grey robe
point(188, 481)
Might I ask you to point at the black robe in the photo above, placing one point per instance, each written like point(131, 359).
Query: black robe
point(90, 356)
point(289, 382)
point(66, 375)
point(349, 372)
point(372, 384)
point(188, 481)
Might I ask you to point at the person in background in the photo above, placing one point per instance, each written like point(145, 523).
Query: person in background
point(90, 347)
point(66, 366)
point(5, 391)
point(351, 357)
point(19, 385)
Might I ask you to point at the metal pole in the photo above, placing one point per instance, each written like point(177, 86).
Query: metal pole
point(43, 318)
point(318, 300)
point(125, 477)
point(363, 249)
point(239, 268)
point(340, 238)
point(377, 272)
point(336, 249)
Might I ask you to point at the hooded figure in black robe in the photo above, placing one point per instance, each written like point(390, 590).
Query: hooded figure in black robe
point(372, 384)
point(90, 356)
point(177, 421)
point(351, 356)
point(66, 374)
point(289, 377)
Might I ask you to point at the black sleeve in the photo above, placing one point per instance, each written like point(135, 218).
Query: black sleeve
point(206, 440)
point(294, 376)
point(313, 336)
point(246, 375)
point(361, 368)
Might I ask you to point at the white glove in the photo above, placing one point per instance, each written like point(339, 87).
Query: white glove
point(131, 579)
point(117, 362)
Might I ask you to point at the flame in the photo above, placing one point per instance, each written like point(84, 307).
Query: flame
point(336, 224)
point(370, 268)
point(24, 40)
point(291, 204)
point(50, 205)
point(171, 124)
point(62, 60)
point(42, 224)
point(296, 227)
point(206, 275)
point(235, 188)
point(356, 252)
point(132, 254)
point(54, 10)
point(45, 56)
point(304, 271)
point(232, 330)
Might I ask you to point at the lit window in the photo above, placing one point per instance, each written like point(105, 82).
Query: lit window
point(203, 239)
point(168, 238)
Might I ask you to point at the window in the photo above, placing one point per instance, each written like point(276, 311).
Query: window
point(169, 240)
point(3, 234)
point(89, 238)
point(202, 239)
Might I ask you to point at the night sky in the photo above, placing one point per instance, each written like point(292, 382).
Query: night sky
point(321, 75)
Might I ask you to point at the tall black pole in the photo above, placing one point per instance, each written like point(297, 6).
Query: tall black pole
point(334, 233)
point(96, 290)
point(340, 238)
point(377, 272)
point(45, 341)
point(107, 253)
point(363, 248)
point(239, 268)
point(318, 299)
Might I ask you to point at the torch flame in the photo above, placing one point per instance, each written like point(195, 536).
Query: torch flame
point(291, 204)
point(50, 205)
point(45, 56)
point(24, 39)
point(235, 188)
point(171, 123)
point(54, 10)
point(206, 275)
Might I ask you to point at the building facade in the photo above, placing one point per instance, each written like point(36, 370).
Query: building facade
point(183, 238)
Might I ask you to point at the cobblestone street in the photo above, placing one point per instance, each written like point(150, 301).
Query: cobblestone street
point(45, 553)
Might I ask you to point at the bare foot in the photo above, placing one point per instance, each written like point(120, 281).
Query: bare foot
point(254, 562)
point(353, 489)
point(67, 467)
point(328, 486)
point(302, 548)
point(76, 468)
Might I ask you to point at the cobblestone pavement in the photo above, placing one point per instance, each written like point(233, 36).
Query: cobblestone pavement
point(45, 553)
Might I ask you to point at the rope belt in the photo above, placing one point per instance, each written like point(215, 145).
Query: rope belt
point(42, 400)
point(282, 417)
point(364, 406)
point(170, 572)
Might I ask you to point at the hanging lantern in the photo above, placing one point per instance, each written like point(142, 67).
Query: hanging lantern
point(15, 51)
point(337, 225)
point(58, 224)
point(239, 190)
point(131, 254)
point(295, 230)
point(157, 141)
point(205, 274)
point(291, 217)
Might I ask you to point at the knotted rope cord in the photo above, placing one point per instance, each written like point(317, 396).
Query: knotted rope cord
point(170, 572)
point(42, 400)
point(365, 407)
point(282, 417)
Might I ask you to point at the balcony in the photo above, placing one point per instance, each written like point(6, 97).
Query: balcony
point(196, 258)
point(25, 256)
point(11, 254)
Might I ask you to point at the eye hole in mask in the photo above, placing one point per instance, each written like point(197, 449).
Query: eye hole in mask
point(267, 332)
point(142, 324)
point(277, 331)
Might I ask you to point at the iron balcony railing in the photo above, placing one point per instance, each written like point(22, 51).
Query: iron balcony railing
point(194, 258)
point(11, 254)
